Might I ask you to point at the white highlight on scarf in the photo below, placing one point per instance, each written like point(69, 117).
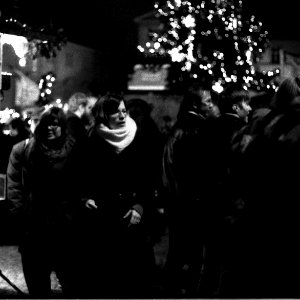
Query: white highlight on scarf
point(119, 138)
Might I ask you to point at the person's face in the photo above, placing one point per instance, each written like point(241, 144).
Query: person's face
point(33, 123)
point(118, 119)
point(53, 130)
point(206, 104)
point(13, 131)
point(214, 112)
point(243, 110)
point(90, 105)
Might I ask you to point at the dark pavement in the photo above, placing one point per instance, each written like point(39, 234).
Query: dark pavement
point(11, 270)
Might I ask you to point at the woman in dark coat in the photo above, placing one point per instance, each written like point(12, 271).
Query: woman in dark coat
point(42, 184)
point(117, 191)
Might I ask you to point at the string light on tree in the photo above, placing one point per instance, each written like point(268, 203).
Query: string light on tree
point(212, 42)
point(45, 86)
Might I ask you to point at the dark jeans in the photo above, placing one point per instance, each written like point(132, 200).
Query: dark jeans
point(43, 254)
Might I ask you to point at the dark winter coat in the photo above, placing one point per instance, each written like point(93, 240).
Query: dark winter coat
point(271, 219)
point(76, 127)
point(119, 255)
point(43, 191)
point(188, 176)
point(118, 182)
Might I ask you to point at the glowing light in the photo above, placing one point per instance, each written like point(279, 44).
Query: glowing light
point(217, 87)
point(19, 43)
point(141, 49)
point(22, 62)
point(189, 21)
point(7, 114)
point(156, 45)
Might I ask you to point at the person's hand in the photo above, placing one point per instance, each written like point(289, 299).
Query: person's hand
point(91, 204)
point(135, 217)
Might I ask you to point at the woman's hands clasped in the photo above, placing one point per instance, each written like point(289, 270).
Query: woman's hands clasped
point(90, 204)
point(132, 214)
point(135, 217)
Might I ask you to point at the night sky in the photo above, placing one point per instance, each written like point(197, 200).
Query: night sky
point(107, 25)
point(101, 22)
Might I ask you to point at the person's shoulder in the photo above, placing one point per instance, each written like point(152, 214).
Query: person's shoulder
point(20, 145)
point(19, 148)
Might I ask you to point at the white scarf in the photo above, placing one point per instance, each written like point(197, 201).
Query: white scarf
point(119, 138)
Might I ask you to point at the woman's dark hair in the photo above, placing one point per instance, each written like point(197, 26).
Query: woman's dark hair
point(105, 106)
point(48, 117)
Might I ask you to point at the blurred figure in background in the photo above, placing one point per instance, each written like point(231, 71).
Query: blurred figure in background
point(19, 130)
point(189, 186)
point(234, 113)
point(271, 220)
point(152, 140)
point(79, 115)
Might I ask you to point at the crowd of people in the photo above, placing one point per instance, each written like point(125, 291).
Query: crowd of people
point(83, 186)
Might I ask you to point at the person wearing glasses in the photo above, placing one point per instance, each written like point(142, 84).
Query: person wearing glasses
point(117, 193)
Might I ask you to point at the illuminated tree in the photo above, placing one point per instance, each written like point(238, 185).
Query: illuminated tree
point(45, 85)
point(211, 42)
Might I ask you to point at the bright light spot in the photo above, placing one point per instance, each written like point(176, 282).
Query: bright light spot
point(217, 87)
point(19, 43)
point(156, 45)
point(22, 62)
point(140, 48)
point(188, 21)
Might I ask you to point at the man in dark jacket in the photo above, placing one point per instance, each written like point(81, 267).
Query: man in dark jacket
point(234, 107)
point(187, 181)
point(271, 220)
point(79, 114)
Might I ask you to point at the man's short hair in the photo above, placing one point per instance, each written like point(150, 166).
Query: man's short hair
point(76, 100)
point(232, 95)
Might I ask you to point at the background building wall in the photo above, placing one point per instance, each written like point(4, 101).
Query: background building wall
point(76, 68)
